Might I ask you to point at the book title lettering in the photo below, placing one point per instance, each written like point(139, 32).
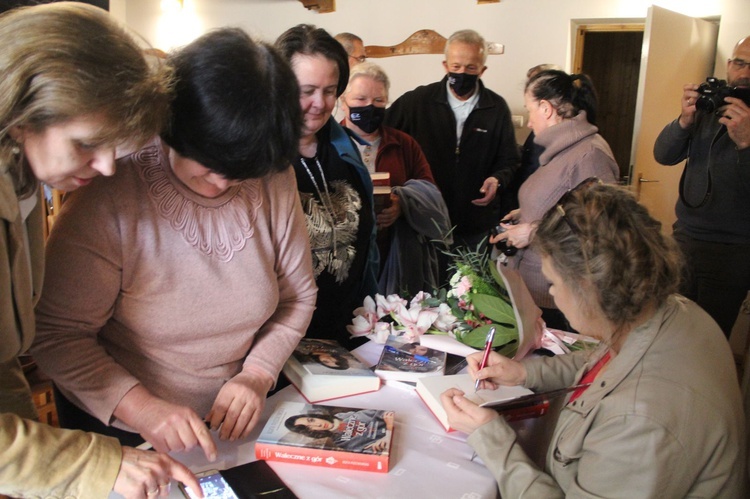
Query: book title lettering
point(354, 428)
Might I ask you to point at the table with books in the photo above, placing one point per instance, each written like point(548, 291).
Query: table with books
point(425, 460)
point(345, 455)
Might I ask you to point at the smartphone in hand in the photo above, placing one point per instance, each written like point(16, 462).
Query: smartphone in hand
point(213, 486)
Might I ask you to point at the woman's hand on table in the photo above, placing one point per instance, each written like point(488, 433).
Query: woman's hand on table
point(238, 405)
point(146, 474)
point(499, 370)
point(463, 414)
point(167, 427)
point(389, 215)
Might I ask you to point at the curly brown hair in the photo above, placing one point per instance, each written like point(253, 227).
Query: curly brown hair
point(599, 237)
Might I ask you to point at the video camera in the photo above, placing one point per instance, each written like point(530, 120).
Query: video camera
point(713, 92)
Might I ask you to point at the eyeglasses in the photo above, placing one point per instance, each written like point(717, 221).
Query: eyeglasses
point(739, 64)
point(361, 58)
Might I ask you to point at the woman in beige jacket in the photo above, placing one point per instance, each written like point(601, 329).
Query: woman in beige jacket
point(662, 416)
point(73, 86)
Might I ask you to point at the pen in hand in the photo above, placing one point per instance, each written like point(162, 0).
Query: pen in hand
point(487, 348)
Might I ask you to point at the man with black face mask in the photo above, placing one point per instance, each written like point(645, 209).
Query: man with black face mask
point(713, 210)
point(466, 133)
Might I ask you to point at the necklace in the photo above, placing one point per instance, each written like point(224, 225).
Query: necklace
point(324, 200)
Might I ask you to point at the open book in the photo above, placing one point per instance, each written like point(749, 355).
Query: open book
point(513, 402)
point(430, 389)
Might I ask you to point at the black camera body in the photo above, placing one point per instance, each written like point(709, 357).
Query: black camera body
point(503, 246)
point(713, 92)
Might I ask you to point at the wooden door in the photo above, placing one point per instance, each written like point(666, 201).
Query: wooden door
point(611, 55)
point(677, 49)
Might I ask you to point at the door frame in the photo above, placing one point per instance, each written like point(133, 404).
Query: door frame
point(581, 28)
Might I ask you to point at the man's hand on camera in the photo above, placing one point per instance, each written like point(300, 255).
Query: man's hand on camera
point(736, 117)
point(689, 98)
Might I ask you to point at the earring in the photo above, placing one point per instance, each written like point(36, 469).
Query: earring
point(15, 149)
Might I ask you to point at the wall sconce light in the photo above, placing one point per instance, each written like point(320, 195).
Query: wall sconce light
point(171, 5)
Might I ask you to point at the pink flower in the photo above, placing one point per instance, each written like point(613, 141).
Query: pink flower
point(388, 304)
point(445, 321)
point(382, 331)
point(415, 320)
point(364, 320)
point(360, 326)
point(368, 310)
point(419, 298)
point(463, 287)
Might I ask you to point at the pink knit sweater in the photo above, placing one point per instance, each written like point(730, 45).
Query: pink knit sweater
point(574, 151)
point(148, 282)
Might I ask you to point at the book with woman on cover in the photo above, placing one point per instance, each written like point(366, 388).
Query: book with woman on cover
point(323, 369)
point(332, 437)
point(405, 361)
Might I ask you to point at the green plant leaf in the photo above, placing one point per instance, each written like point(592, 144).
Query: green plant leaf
point(476, 337)
point(494, 308)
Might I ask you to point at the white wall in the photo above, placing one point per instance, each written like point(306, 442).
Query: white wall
point(533, 31)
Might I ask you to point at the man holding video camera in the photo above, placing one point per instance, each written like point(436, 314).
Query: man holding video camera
point(713, 209)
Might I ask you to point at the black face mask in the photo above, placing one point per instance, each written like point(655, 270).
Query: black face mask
point(462, 83)
point(367, 118)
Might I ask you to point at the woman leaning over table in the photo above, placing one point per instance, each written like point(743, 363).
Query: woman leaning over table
point(562, 115)
point(176, 290)
point(417, 214)
point(334, 186)
point(65, 104)
point(662, 416)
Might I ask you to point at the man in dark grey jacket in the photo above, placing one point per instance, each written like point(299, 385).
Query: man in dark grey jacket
point(713, 210)
point(466, 133)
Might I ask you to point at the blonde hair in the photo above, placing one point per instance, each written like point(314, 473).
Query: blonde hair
point(370, 70)
point(65, 60)
point(600, 238)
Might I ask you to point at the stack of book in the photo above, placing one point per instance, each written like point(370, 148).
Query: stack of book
point(323, 370)
point(381, 182)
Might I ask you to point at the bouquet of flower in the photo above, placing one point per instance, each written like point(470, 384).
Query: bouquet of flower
point(475, 300)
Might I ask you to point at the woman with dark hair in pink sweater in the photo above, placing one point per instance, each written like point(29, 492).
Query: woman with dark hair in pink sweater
point(177, 288)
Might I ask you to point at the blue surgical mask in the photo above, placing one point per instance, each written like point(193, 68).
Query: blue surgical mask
point(367, 118)
point(462, 83)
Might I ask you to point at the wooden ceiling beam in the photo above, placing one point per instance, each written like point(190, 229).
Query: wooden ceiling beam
point(320, 6)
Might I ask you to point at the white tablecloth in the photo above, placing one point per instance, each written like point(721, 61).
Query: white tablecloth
point(425, 460)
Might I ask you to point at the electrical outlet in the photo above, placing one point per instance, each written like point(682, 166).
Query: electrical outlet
point(517, 120)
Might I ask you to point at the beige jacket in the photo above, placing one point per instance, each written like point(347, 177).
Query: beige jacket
point(41, 461)
point(21, 272)
point(663, 420)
